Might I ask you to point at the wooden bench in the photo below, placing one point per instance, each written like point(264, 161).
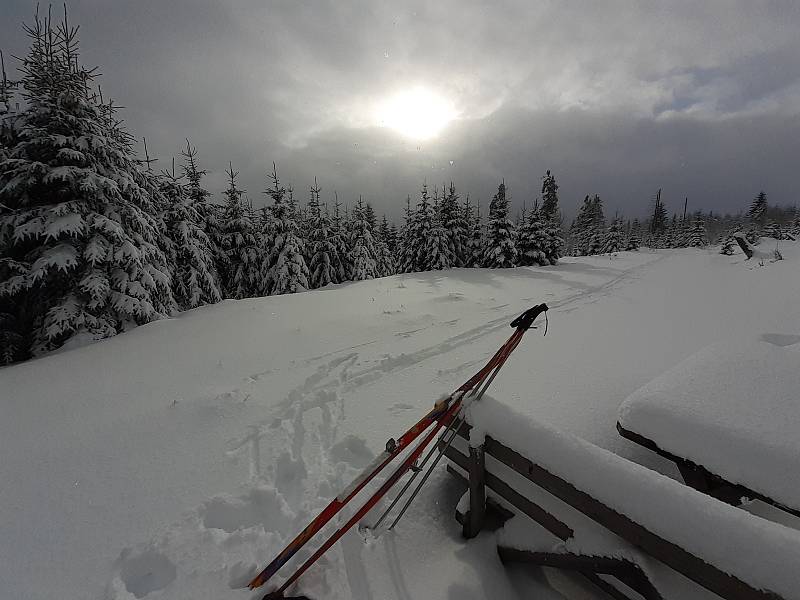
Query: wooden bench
point(638, 537)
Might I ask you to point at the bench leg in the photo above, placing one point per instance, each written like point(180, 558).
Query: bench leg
point(477, 493)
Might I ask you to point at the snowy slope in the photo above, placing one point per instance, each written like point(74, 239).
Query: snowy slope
point(170, 461)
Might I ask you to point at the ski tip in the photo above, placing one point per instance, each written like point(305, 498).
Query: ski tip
point(257, 582)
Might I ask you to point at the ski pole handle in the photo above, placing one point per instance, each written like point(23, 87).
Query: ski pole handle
point(526, 319)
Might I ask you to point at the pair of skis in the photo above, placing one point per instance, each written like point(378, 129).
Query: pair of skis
point(443, 414)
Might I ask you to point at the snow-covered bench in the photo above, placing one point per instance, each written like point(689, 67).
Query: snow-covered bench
point(729, 417)
point(598, 513)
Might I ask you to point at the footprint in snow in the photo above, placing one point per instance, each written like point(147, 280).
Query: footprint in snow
point(353, 451)
point(145, 572)
point(258, 507)
point(399, 408)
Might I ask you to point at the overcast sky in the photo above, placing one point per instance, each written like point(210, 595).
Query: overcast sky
point(701, 99)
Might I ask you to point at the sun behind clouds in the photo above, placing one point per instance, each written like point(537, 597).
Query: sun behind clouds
point(417, 113)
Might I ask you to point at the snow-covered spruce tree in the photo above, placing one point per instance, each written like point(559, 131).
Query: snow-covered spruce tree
point(477, 240)
point(634, 237)
point(612, 241)
point(392, 242)
point(12, 339)
point(321, 266)
point(363, 253)
point(439, 248)
point(532, 240)
point(210, 213)
point(242, 244)
point(455, 226)
point(658, 219)
point(588, 227)
point(499, 252)
point(554, 239)
point(419, 232)
point(385, 257)
point(773, 230)
point(405, 246)
point(697, 235)
point(794, 228)
point(729, 244)
point(83, 256)
point(549, 208)
point(672, 234)
point(288, 272)
point(341, 265)
point(441, 255)
point(758, 210)
point(194, 276)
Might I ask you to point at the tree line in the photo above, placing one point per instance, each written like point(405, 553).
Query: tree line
point(94, 241)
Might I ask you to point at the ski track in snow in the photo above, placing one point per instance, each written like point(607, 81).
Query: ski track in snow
point(232, 537)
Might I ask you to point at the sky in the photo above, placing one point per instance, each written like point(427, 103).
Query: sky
point(700, 99)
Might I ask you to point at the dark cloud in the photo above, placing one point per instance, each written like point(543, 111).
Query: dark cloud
point(617, 98)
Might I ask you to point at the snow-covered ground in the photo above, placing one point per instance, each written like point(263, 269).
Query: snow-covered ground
point(172, 461)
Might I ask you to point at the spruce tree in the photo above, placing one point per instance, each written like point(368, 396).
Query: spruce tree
point(288, 272)
point(773, 230)
point(341, 265)
point(82, 254)
point(549, 208)
point(420, 230)
point(532, 242)
point(554, 239)
point(658, 220)
point(455, 226)
point(634, 237)
point(500, 251)
point(241, 241)
point(612, 241)
point(729, 244)
point(405, 250)
point(201, 201)
point(697, 235)
point(758, 210)
point(588, 227)
point(363, 253)
point(383, 248)
point(438, 249)
point(321, 266)
point(194, 276)
point(477, 240)
point(794, 228)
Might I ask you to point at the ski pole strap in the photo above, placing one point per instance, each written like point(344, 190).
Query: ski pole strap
point(526, 319)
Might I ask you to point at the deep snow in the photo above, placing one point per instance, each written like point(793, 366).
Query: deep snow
point(172, 461)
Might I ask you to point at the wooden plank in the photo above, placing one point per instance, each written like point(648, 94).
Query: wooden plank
point(626, 571)
point(558, 528)
point(672, 555)
point(703, 480)
point(604, 586)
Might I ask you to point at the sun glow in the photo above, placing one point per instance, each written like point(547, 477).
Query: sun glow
point(416, 113)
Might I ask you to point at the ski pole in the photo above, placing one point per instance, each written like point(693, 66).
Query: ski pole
point(365, 508)
point(392, 450)
point(510, 346)
point(522, 323)
point(454, 433)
